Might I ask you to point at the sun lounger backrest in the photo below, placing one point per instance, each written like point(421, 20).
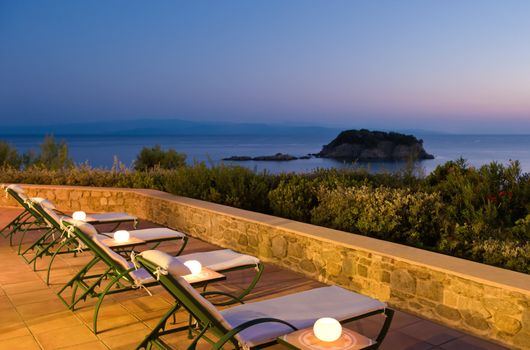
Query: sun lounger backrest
point(111, 253)
point(16, 188)
point(18, 193)
point(43, 202)
point(50, 216)
point(204, 311)
point(88, 235)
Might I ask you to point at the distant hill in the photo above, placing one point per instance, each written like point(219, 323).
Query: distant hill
point(150, 127)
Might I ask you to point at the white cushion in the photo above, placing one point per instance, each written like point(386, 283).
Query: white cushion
point(115, 256)
point(161, 259)
point(141, 277)
point(43, 202)
point(105, 217)
point(166, 262)
point(219, 260)
point(299, 309)
point(16, 188)
point(153, 234)
point(53, 215)
point(85, 227)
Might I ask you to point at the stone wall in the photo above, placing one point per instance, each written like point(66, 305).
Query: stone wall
point(482, 300)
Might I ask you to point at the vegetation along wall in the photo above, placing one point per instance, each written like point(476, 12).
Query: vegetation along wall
point(483, 300)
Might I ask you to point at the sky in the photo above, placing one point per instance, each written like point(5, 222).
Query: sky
point(452, 66)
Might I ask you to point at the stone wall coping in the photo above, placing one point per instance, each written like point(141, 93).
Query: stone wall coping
point(471, 270)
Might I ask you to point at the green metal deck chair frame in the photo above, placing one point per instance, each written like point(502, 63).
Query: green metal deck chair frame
point(205, 321)
point(53, 238)
point(120, 277)
point(28, 220)
point(68, 243)
point(43, 244)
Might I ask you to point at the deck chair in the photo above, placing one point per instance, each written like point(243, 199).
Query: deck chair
point(26, 221)
point(123, 275)
point(47, 240)
point(258, 324)
point(71, 244)
point(29, 220)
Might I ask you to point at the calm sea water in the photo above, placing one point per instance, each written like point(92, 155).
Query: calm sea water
point(100, 151)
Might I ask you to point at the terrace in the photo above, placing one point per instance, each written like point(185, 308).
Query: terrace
point(32, 317)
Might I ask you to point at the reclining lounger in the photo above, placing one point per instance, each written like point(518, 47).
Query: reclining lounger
point(258, 324)
point(123, 273)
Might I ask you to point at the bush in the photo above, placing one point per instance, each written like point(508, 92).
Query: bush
point(393, 214)
point(514, 255)
point(149, 158)
point(9, 156)
point(53, 155)
point(231, 185)
point(294, 198)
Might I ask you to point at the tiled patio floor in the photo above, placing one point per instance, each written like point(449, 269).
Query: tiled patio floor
point(32, 317)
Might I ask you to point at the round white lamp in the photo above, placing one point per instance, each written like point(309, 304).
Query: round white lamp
point(327, 329)
point(194, 266)
point(79, 215)
point(121, 236)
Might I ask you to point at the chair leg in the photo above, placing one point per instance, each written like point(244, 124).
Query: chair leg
point(389, 313)
point(74, 281)
point(160, 326)
point(105, 291)
point(13, 225)
point(57, 251)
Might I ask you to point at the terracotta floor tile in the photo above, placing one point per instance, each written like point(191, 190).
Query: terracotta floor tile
point(63, 337)
point(13, 329)
point(29, 311)
point(24, 287)
point(134, 327)
point(402, 319)
point(430, 332)
point(40, 295)
point(53, 321)
point(124, 341)
point(9, 315)
point(93, 345)
point(146, 304)
point(20, 343)
point(470, 343)
point(396, 340)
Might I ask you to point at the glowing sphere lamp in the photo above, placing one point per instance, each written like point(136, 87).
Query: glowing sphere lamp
point(327, 329)
point(194, 266)
point(79, 215)
point(121, 236)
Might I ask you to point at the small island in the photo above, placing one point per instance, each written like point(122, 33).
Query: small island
point(366, 145)
point(277, 157)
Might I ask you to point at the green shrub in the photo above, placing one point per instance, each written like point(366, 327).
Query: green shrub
point(514, 255)
point(393, 214)
point(294, 197)
point(231, 185)
point(9, 156)
point(149, 158)
point(53, 155)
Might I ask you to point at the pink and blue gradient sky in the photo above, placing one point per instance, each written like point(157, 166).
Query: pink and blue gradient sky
point(451, 66)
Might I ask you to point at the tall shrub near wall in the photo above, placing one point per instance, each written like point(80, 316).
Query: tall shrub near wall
point(398, 215)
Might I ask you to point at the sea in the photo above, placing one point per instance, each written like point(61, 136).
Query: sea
point(102, 151)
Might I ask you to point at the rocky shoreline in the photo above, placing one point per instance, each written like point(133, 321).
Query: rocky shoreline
point(359, 145)
point(278, 157)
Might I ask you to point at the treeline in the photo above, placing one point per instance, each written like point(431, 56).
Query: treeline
point(481, 214)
